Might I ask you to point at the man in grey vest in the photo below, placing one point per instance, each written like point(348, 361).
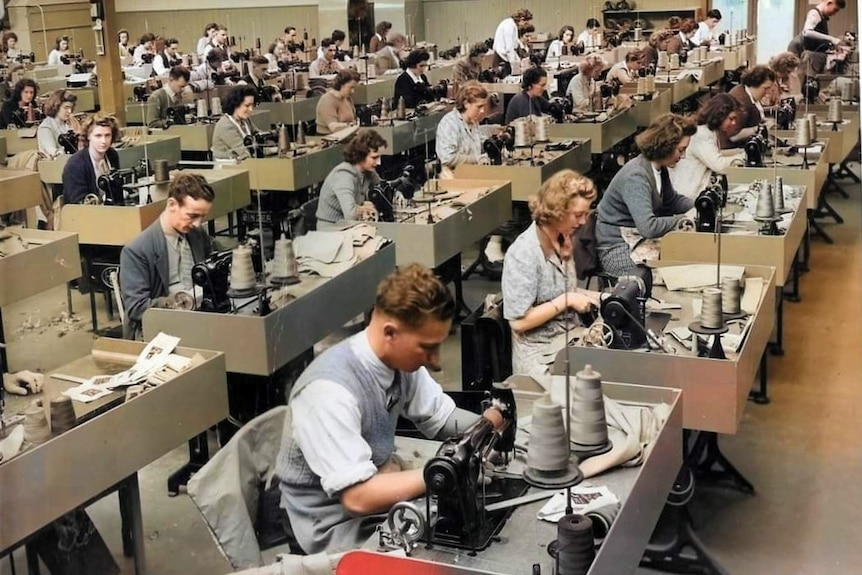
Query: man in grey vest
point(335, 465)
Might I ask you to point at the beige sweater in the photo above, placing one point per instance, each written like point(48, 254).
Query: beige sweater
point(333, 108)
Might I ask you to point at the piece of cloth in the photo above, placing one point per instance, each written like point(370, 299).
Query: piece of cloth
point(341, 437)
point(334, 112)
point(457, 141)
point(79, 175)
point(506, 40)
point(533, 276)
point(703, 158)
point(523, 105)
point(228, 137)
point(633, 200)
point(343, 190)
point(144, 275)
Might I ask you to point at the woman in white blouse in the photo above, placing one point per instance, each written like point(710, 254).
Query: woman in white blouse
point(582, 89)
point(704, 157)
point(58, 112)
point(591, 37)
point(61, 48)
point(564, 43)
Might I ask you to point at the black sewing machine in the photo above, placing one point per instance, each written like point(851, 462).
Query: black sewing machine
point(382, 195)
point(212, 275)
point(756, 147)
point(455, 479)
point(495, 74)
point(785, 113)
point(624, 311)
point(68, 141)
point(811, 89)
point(610, 88)
point(176, 115)
point(111, 186)
point(708, 204)
point(495, 145)
point(257, 142)
point(559, 108)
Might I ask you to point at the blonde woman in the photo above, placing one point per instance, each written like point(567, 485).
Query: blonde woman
point(540, 294)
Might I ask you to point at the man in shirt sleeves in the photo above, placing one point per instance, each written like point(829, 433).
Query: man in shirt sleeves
point(336, 463)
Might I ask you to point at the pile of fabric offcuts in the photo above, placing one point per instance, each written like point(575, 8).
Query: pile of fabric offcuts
point(328, 254)
point(11, 243)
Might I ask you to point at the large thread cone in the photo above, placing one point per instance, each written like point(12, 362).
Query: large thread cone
point(812, 126)
point(284, 266)
point(62, 414)
point(836, 113)
point(241, 270)
point(778, 197)
point(574, 547)
point(765, 204)
point(589, 429)
point(549, 462)
point(803, 133)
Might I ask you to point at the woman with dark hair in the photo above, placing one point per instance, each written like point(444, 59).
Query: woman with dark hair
point(755, 83)
point(10, 45)
point(564, 43)
point(123, 43)
point(61, 48)
point(335, 109)
point(234, 125)
point(469, 66)
point(344, 194)
point(591, 37)
point(58, 111)
point(412, 84)
point(719, 115)
point(640, 204)
point(379, 38)
point(707, 33)
point(531, 101)
point(17, 109)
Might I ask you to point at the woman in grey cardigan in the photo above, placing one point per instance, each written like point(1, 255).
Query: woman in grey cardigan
point(640, 204)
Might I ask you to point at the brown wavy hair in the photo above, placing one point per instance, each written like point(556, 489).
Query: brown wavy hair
point(784, 63)
point(757, 76)
point(189, 185)
point(413, 295)
point(716, 109)
point(362, 144)
point(57, 99)
point(556, 195)
point(663, 136)
point(105, 121)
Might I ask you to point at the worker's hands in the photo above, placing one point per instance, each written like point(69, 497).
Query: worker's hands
point(23, 382)
point(579, 302)
point(747, 133)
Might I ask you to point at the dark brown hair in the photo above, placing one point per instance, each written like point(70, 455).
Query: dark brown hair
point(663, 136)
point(688, 26)
point(362, 144)
point(188, 185)
point(784, 63)
point(383, 27)
point(635, 56)
point(57, 99)
point(716, 109)
point(522, 15)
point(757, 75)
point(236, 97)
point(413, 295)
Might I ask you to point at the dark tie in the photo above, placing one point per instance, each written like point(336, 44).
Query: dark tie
point(666, 185)
point(393, 394)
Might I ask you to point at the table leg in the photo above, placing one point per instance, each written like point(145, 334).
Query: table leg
point(777, 347)
point(4, 363)
point(814, 225)
point(199, 454)
point(32, 560)
point(844, 171)
point(132, 494)
point(832, 182)
point(761, 397)
point(794, 295)
point(825, 210)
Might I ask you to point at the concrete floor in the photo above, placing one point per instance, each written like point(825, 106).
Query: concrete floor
point(801, 451)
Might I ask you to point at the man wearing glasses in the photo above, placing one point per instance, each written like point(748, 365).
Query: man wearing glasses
point(158, 263)
point(327, 64)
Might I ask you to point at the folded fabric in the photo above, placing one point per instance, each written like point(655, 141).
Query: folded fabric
point(694, 276)
point(585, 498)
point(325, 247)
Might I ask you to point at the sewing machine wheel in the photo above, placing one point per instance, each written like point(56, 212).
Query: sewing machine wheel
point(182, 300)
point(406, 523)
point(685, 225)
point(599, 334)
point(91, 200)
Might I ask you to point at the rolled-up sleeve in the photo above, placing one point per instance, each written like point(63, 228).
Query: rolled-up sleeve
point(426, 405)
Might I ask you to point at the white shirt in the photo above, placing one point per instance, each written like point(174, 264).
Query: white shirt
point(54, 58)
point(555, 50)
point(703, 157)
point(202, 45)
point(589, 39)
point(416, 79)
point(159, 65)
point(138, 56)
point(327, 422)
point(621, 72)
point(580, 89)
point(656, 173)
point(704, 34)
point(506, 40)
point(47, 135)
point(755, 102)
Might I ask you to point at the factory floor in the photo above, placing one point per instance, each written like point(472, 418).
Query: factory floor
point(802, 451)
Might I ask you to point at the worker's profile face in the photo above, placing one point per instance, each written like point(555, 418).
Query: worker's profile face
point(760, 91)
point(567, 36)
point(259, 70)
point(11, 43)
point(730, 125)
point(329, 52)
point(412, 348)
point(831, 8)
point(100, 138)
point(371, 161)
point(474, 111)
point(65, 111)
point(711, 23)
point(348, 88)
point(537, 89)
point(124, 38)
point(290, 36)
point(677, 154)
point(64, 45)
point(177, 85)
point(244, 110)
point(187, 214)
point(573, 219)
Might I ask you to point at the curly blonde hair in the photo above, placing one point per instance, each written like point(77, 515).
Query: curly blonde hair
point(414, 294)
point(555, 198)
point(591, 64)
point(663, 136)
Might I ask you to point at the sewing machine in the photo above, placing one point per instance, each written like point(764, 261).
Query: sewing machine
point(785, 113)
point(559, 108)
point(495, 145)
point(212, 276)
point(756, 147)
point(257, 143)
point(624, 312)
point(456, 476)
point(708, 204)
point(495, 74)
point(382, 195)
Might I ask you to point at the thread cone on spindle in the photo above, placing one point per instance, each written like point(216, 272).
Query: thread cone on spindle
point(62, 415)
point(215, 105)
point(161, 172)
point(765, 205)
point(202, 108)
point(589, 429)
point(778, 197)
point(574, 547)
point(541, 127)
point(241, 271)
point(300, 134)
point(836, 114)
point(812, 126)
point(803, 133)
point(549, 463)
point(36, 428)
point(285, 270)
point(710, 310)
point(283, 140)
point(401, 109)
point(731, 298)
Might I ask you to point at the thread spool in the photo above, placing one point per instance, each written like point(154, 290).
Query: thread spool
point(650, 82)
point(847, 91)
point(812, 126)
point(603, 518)
point(522, 133)
point(401, 109)
point(662, 59)
point(540, 126)
point(549, 462)
point(674, 61)
point(202, 108)
point(778, 196)
point(710, 312)
point(300, 134)
point(215, 105)
point(574, 549)
point(835, 113)
point(803, 133)
point(285, 270)
point(765, 204)
point(161, 171)
point(642, 86)
point(589, 429)
point(242, 270)
point(731, 296)
point(283, 140)
point(62, 415)
point(36, 428)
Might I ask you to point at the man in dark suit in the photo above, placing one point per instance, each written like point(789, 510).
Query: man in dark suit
point(158, 263)
point(98, 158)
point(168, 96)
point(256, 78)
